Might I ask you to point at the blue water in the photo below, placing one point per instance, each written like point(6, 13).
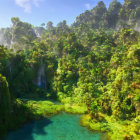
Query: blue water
point(60, 127)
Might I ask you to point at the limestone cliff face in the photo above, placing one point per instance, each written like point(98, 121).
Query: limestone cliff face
point(113, 13)
point(20, 33)
point(115, 17)
point(39, 31)
point(5, 36)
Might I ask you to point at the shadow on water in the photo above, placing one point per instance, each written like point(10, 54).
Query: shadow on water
point(59, 127)
point(27, 131)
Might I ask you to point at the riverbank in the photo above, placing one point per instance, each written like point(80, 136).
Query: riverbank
point(116, 130)
point(49, 109)
point(26, 110)
point(45, 109)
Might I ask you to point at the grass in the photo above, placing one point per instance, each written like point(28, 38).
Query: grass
point(43, 108)
point(75, 108)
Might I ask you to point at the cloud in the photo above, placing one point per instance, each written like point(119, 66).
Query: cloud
point(27, 4)
point(88, 6)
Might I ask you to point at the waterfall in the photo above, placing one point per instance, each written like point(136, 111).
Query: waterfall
point(41, 80)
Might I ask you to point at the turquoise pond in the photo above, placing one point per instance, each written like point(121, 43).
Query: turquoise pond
point(60, 127)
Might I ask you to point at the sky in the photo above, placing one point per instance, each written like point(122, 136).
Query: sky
point(37, 12)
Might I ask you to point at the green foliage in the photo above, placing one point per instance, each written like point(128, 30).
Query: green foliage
point(43, 108)
point(76, 108)
point(90, 70)
point(5, 106)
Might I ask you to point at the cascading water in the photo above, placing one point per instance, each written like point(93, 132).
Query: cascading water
point(41, 80)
